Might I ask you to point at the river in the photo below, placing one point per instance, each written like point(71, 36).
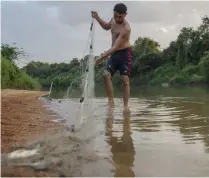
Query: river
point(166, 133)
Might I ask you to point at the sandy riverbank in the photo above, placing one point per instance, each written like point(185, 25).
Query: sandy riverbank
point(28, 126)
point(22, 118)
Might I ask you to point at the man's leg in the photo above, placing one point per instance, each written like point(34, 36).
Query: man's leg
point(108, 87)
point(107, 74)
point(126, 91)
point(125, 71)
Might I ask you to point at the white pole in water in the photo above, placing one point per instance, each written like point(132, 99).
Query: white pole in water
point(50, 89)
point(68, 91)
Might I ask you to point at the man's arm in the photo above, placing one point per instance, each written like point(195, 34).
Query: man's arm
point(103, 24)
point(120, 40)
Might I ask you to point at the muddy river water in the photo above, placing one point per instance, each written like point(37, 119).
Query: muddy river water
point(166, 133)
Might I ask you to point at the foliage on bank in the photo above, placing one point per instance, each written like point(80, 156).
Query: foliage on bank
point(184, 61)
point(11, 75)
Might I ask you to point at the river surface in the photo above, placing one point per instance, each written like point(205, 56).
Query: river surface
point(166, 133)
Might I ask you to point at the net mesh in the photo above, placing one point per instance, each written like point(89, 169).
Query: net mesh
point(87, 85)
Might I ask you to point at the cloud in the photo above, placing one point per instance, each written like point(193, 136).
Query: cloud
point(75, 13)
point(164, 30)
point(56, 31)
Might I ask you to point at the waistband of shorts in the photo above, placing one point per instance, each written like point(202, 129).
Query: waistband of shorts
point(122, 50)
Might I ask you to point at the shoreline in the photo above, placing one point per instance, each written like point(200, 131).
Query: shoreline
point(23, 118)
point(27, 127)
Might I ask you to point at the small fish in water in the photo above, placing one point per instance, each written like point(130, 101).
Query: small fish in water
point(60, 101)
point(22, 153)
point(81, 100)
point(72, 128)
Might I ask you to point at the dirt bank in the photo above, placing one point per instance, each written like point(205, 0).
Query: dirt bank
point(26, 125)
point(22, 118)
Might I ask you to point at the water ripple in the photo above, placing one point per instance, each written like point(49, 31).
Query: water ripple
point(167, 134)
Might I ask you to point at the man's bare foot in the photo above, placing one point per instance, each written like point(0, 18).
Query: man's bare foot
point(110, 111)
point(111, 103)
point(126, 110)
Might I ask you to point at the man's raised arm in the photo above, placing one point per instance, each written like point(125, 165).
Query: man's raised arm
point(103, 24)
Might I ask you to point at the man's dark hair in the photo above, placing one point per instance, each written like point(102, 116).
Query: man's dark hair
point(120, 8)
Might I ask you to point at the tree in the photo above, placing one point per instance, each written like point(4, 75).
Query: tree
point(179, 62)
point(11, 53)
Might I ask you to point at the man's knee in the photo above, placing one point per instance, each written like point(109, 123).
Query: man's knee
point(106, 74)
point(125, 80)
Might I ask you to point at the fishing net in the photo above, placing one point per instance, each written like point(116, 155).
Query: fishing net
point(85, 85)
point(85, 110)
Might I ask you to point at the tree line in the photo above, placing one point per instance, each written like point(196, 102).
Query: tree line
point(184, 61)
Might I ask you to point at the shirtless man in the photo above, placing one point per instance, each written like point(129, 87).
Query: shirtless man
point(120, 53)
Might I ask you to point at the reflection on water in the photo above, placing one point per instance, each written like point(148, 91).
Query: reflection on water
point(166, 133)
point(122, 148)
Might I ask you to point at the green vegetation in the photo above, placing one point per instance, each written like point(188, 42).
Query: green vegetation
point(11, 75)
point(185, 61)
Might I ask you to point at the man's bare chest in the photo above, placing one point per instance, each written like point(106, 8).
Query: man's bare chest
point(115, 30)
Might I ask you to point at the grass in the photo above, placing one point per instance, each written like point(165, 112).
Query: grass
point(14, 78)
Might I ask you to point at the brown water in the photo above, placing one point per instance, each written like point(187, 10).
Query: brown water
point(166, 134)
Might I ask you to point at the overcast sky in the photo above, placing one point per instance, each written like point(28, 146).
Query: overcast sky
point(58, 31)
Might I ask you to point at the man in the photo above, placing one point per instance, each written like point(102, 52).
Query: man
point(120, 53)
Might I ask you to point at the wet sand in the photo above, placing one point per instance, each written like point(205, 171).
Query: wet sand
point(23, 118)
point(34, 145)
